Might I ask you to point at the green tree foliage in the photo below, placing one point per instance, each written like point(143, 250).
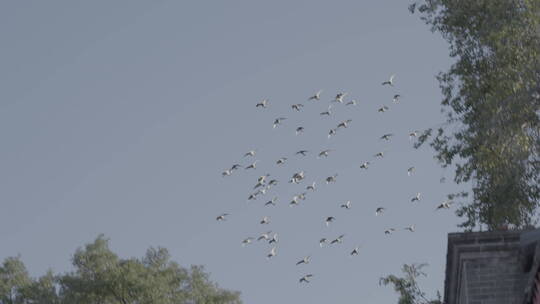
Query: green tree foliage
point(492, 104)
point(101, 277)
point(407, 286)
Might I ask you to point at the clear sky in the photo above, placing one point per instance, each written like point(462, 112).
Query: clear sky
point(118, 117)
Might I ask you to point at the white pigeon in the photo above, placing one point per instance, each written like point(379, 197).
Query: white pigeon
point(263, 104)
point(226, 172)
point(299, 130)
point(396, 98)
point(311, 187)
point(411, 228)
point(297, 106)
point(332, 132)
point(389, 231)
point(413, 134)
point(328, 220)
point(331, 179)
point(304, 260)
point(294, 201)
point(338, 240)
point(351, 103)
point(410, 171)
point(222, 217)
point(274, 239)
point(364, 165)
point(322, 241)
point(327, 112)
point(247, 241)
point(445, 205)
point(235, 167)
point(339, 97)
point(383, 109)
point(264, 236)
point(355, 250)
point(346, 205)
point(253, 165)
point(416, 198)
point(302, 152)
point(278, 121)
point(272, 253)
point(252, 197)
point(324, 153)
point(250, 153)
point(281, 161)
point(390, 81)
point(316, 96)
point(272, 201)
point(305, 279)
point(379, 210)
point(380, 154)
point(265, 220)
point(344, 124)
point(387, 136)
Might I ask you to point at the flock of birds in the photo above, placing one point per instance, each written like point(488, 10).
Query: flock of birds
point(265, 183)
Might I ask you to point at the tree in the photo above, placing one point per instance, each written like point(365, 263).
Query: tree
point(101, 277)
point(491, 98)
point(407, 286)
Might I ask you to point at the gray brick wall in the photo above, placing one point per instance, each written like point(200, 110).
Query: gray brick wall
point(484, 268)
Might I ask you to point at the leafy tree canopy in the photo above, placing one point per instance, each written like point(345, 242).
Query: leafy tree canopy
point(101, 277)
point(491, 98)
point(407, 286)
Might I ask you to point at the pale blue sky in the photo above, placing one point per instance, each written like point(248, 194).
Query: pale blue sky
point(118, 117)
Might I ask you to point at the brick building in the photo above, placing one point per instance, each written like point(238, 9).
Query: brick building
point(499, 267)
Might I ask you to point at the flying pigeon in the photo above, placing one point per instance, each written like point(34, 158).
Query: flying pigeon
point(379, 210)
point(329, 220)
point(311, 187)
point(297, 106)
point(410, 171)
point(304, 260)
point(416, 198)
point(383, 109)
point(445, 205)
point(274, 239)
point(331, 179)
point(327, 112)
point(389, 231)
point(346, 205)
point(413, 134)
point(272, 253)
point(278, 121)
point(222, 217)
point(299, 130)
point(339, 97)
point(410, 228)
point(351, 103)
point(271, 202)
point(396, 98)
point(316, 96)
point(263, 104)
point(250, 153)
point(332, 132)
point(339, 239)
point(302, 152)
point(265, 220)
point(344, 124)
point(305, 279)
point(253, 165)
point(387, 136)
point(324, 153)
point(364, 165)
point(264, 236)
point(281, 161)
point(247, 241)
point(355, 251)
point(390, 81)
point(322, 241)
